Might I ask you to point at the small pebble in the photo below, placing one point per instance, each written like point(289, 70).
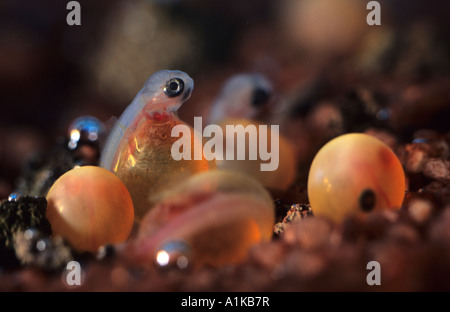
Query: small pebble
point(439, 231)
point(295, 213)
point(120, 277)
point(305, 264)
point(384, 136)
point(403, 233)
point(416, 157)
point(438, 169)
point(267, 255)
point(309, 233)
point(420, 210)
point(37, 250)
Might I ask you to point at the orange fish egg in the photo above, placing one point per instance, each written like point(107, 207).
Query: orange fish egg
point(355, 174)
point(220, 214)
point(282, 155)
point(90, 207)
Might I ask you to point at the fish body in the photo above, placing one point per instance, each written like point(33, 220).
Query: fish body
point(138, 149)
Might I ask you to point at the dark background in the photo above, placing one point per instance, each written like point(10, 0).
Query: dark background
point(51, 73)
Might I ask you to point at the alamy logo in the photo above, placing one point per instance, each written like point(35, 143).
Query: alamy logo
point(74, 16)
point(374, 16)
point(374, 276)
point(73, 274)
point(239, 142)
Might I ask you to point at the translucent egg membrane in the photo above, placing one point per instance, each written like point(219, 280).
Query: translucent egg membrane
point(219, 214)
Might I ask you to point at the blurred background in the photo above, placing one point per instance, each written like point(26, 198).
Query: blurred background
point(52, 73)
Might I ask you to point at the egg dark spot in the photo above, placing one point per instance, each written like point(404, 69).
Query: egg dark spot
point(259, 97)
point(367, 200)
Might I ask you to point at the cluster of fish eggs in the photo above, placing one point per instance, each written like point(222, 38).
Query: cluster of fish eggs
point(202, 212)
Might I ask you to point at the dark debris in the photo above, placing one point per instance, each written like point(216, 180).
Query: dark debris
point(296, 212)
point(45, 168)
point(38, 250)
point(21, 214)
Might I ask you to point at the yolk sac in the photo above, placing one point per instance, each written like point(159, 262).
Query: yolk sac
point(146, 167)
point(355, 174)
point(219, 214)
point(280, 148)
point(90, 207)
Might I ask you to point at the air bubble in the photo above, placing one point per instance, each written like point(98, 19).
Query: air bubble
point(41, 245)
point(420, 140)
point(84, 128)
point(383, 114)
point(13, 197)
point(173, 254)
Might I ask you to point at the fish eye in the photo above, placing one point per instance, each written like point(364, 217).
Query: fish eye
point(367, 200)
point(174, 87)
point(259, 97)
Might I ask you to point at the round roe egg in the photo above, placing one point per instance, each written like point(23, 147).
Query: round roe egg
point(282, 154)
point(90, 207)
point(354, 174)
point(220, 214)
